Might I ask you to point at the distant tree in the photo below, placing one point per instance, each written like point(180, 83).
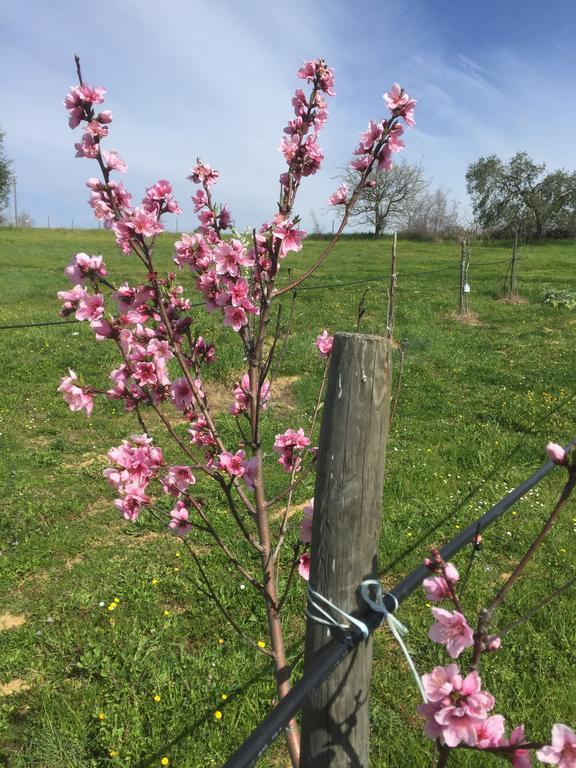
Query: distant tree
point(394, 191)
point(5, 175)
point(519, 195)
point(432, 215)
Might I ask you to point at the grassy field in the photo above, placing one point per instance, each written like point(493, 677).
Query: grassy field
point(83, 684)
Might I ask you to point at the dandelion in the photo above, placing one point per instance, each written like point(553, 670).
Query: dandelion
point(101, 716)
point(166, 613)
point(221, 640)
point(224, 696)
point(116, 600)
point(112, 606)
point(157, 698)
point(154, 582)
point(113, 753)
point(261, 644)
point(164, 761)
point(178, 554)
point(218, 715)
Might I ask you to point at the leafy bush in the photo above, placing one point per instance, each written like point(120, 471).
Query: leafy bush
point(562, 298)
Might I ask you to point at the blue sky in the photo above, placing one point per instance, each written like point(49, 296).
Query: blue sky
point(188, 78)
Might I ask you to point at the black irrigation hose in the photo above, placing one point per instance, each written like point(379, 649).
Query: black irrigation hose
point(339, 647)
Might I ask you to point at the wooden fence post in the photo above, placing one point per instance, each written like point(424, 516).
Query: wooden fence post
point(463, 303)
point(511, 280)
point(345, 537)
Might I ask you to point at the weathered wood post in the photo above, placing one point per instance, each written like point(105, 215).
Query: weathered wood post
point(345, 537)
point(463, 303)
point(514, 269)
point(511, 280)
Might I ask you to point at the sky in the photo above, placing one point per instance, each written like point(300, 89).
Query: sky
point(214, 80)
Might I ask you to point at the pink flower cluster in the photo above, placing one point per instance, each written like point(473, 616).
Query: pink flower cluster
point(136, 463)
point(82, 267)
point(324, 344)
point(457, 708)
point(109, 200)
point(76, 396)
point(382, 139)
point(177, 480)
point(237, 465)
point(290, 445)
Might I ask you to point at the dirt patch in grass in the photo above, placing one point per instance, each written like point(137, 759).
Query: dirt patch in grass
point(282, 397)
point(471, 318)
point(10, 621)
point(220, 395)
point(512, 300)
point(293, 509)
point(14, 686)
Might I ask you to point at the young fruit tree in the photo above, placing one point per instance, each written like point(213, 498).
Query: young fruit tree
point(162, 358)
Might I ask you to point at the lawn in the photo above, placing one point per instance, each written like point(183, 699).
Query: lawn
point(109, 652)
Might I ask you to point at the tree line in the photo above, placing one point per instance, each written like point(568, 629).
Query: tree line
point(506, 197)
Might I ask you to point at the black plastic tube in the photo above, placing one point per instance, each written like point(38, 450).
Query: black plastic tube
point(338, 648)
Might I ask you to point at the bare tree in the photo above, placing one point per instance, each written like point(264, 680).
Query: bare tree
point(432, 214)
point(394, 192)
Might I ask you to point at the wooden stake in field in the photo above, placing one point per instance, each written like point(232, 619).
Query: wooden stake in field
point(346, 529)
point(511, 280)
point(464, 287)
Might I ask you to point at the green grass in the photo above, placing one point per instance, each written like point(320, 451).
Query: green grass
point(476, 400)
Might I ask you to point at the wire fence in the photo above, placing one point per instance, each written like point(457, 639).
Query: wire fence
point(344, 642)
point(330, 285)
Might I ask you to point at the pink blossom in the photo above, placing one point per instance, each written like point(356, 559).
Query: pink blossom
point(232, 463)
point(83, 266)
point(318, 70)
point(75, 395)
point(71, 299)
point(242, 396)
point(562, 751)
point(144, 223)
point(202, 173)
point(556, 453)
point(398, 101)
point(324, 344)
point(114, 162)
point(520, 758)
point(90, 307)
point(489, 732)
point(178, 479)
point(304, 566)
point(361, 163)
point(182, 394)
point(339, 197)
point(290, 236)
point(437, 587)
point(200, 199)
point(179, 521)
point(250, 467)
point(452, 630)
point(306, 524)
point(235, 317)
point(88, 147)
point(286, 444)
point(371, 136)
